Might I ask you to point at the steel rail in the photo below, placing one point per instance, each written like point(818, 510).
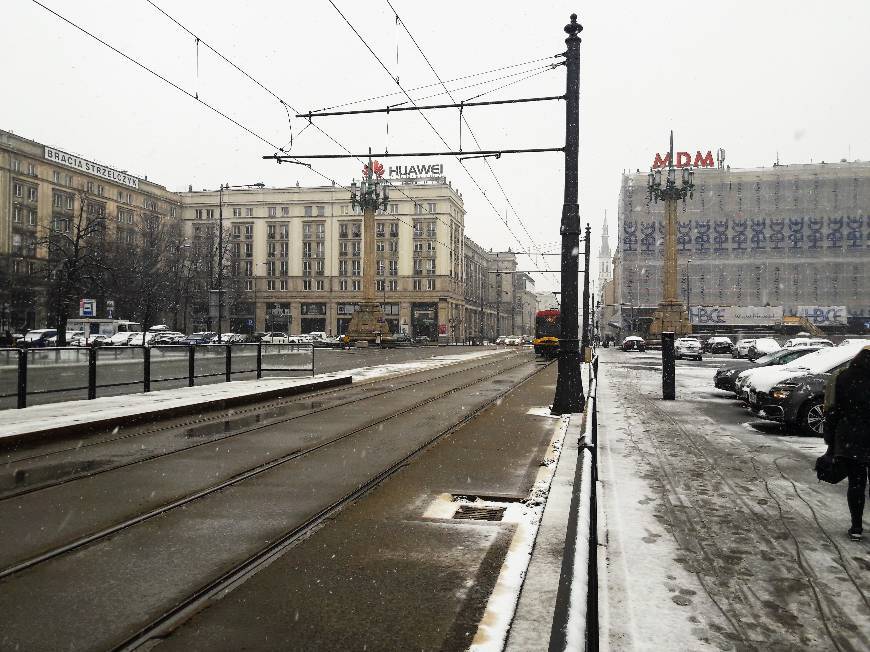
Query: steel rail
point(189, 606)
point(239, 477)
point(243, 431)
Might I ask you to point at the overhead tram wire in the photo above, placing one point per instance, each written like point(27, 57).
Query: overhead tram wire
point(426, 119)
point(244, 128)
point(286, 104)
point(465, 121)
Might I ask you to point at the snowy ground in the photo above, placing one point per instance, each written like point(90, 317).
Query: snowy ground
point(718, 534)
point(40, 418)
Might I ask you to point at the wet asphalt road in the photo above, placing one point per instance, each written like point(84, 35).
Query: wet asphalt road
point(98, 594)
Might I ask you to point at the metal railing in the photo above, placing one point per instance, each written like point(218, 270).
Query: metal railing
point(69, 373)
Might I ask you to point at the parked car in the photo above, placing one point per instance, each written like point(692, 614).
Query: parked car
point(501, 339)
point(633, 343)
point(37, 338)
point(513, 340)
point(718, 344)
point(741, 349)
point(424, 339)
point(96, 339)
point(275, 337)
point(70, 335)
point(725, 377)
point(823, 361)
point(396, 341)
point(166, 337)
point(762, 346)
point(846, 342)
point(687, 347)
point(202, 337)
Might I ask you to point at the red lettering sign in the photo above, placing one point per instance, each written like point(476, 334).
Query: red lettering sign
point(684, 159)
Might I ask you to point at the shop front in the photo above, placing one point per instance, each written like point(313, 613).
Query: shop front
point(242, 319)
point(424, 320)
point(313, 318)
point(343, 314)
point(278, 317)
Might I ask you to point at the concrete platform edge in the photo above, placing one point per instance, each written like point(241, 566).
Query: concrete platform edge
point(72, 429)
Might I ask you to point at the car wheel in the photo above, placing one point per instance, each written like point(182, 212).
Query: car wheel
point(812, 419)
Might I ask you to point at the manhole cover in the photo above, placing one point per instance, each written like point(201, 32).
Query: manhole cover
point(472, 513)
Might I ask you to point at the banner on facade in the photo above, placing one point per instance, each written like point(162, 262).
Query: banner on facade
point(72, 161)
point(735, 315)
point(823, 315)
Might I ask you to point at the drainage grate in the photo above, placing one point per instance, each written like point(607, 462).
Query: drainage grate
point(472, 513)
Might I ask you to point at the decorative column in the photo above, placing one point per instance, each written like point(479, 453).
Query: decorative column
point(671, 315)
point(368, 325)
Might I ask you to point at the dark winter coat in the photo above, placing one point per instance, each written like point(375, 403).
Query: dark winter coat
point(847, 423)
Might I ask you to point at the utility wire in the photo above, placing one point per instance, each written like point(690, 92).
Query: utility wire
point(193, 96)
point(426, 119)
point(450, 81)
point(470, 130)
point(286, 104)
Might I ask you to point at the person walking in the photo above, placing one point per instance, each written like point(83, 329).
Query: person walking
point(847, 431)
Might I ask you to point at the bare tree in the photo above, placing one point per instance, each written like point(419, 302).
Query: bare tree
point(75, 262)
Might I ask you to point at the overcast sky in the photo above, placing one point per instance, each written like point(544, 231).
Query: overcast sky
point(757, 78)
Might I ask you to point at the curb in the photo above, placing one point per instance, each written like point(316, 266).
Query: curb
point(224, 402)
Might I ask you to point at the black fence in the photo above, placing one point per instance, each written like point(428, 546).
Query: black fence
point(46, 375)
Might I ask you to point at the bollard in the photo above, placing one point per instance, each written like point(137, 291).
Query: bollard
point(22, 378)
point(92, 373)
point(229, 363)
point(259, 360)
point(669, 391)
point(146, 369)
point(190, 367)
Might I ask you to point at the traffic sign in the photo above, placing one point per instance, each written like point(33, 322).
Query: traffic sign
point(87, 307)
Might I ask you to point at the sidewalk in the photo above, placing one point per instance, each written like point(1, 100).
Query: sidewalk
point(718, 537)
point(73, 417)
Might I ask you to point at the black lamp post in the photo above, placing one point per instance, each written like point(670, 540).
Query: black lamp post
point(220, 274)
point(569, 384)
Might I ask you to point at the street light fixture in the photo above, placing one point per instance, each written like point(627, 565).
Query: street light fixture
point(669, 316)
point(220, 274)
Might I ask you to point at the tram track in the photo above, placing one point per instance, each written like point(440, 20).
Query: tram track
point(116, 528)
point(184, 609)
point(237, 415)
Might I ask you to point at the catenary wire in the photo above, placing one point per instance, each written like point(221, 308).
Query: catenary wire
point(468, 126)
point(428, 122)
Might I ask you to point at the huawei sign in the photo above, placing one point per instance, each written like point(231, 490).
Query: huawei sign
point(684, 160)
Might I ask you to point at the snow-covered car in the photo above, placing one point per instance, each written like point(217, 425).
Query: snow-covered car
point(95, 339)
point(822, 361)
point(70, 335)
point(167, 337)
point(501, 339)
point(37, 338)
point(633, 343)
point(275, 337)
point(761, 347)
point(741, 349)
point(513, 340)
point(201, 337)
point(726, 377)
point(718, 344)
point(853, 341)
point(687, 347)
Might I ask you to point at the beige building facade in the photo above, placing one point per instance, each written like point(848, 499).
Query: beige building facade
point(294, 257)
point(42, 191)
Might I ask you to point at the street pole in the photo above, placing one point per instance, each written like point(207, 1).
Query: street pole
point(586, 293)
point(220, 277)
point(480, 321)
point(688, 293)
point(569, 385)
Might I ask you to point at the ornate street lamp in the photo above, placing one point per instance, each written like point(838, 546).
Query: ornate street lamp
point(671, 315)
point(368, 324)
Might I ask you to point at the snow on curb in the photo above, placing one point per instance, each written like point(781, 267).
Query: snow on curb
point(575, 637)
point(494, 626)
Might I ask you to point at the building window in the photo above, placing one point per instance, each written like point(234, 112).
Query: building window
point(342, 284)
point(69, 180)
point(31, 218)
point(100, 190)
point(283, 267)
point(129, 217)
point(394, 230)
point(237, 212)
point(69, 202)
point(16, 165)
point(249, 212)
point(270, 249)
point(318, 285)
point(31, 169)
point(418, 284)
point(355, 286)
point(16, 189)
point(306, 284)
point(172, 212)
point(342, 268)
point(380, 286)
point(209, 213)
point(16, 214)
point(270, 285)
point(249, 268)
point(56, 176)
point(321, 211)
point(249, 250)
point(90, 186)
point(430, 283)
point(431, 207)
point(344, 209)
point(394, 209)
point(394, 268)
point(309, 211)
point(394, 246)
point(321, 229)
point(249, 231)
point(31, 193)
point(380, 246)
point(318, 267)
point(380, 268)
point(271, 230)
point(393, 285)
point(285, 231)
point(237, 231)
point(283, 285)
point(285, 211)
point(249, 285)
point(273, 211)
point(356, 267)
point(381, 230)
